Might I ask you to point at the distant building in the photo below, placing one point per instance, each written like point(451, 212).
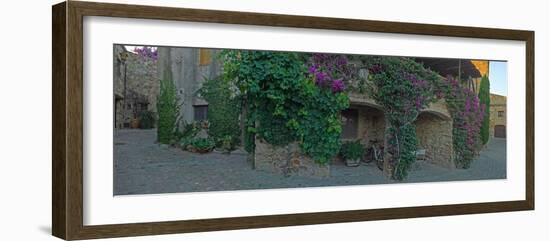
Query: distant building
point(497, 126)
point(497, 116)
point(471, 72)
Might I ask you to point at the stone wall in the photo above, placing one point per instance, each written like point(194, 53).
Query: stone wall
point(287, 161)
point(434, 134)
point(142, 85)
point(439, 108)
point(371, 125)
point(188, 68)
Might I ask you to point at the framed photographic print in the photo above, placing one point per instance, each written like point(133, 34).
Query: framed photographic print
point(171, 120)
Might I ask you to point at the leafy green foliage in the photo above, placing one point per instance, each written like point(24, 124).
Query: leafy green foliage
point(405, 139)
point(227, 143)
point(202, 145)
point(146, 119)
point(168, 112)
point(485, 100)
point(283, 103)
point(187, 135)
point(265, 79)
point(352, 150)
point(318, 123)
point(223, 111)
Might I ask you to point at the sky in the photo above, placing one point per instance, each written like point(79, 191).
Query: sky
point(498, 77)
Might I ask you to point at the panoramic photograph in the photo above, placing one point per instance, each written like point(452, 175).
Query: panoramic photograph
point(190, 119)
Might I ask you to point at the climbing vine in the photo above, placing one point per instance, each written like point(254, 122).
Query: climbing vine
point(223, 111)
point(146, 52)
point(403, 87)
point(286, 103)
point(293, 97)
point(321, 126)
point(467, 114)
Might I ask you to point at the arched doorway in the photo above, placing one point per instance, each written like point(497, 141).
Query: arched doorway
point(500, 131)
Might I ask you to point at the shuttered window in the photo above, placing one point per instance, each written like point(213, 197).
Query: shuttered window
point(201, 112)
point(204, 56)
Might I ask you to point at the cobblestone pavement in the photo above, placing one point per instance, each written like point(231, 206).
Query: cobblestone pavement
point(143, 167)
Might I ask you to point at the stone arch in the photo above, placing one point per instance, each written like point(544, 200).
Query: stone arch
point(434, 132)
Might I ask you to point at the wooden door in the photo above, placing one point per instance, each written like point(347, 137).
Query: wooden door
point(500, 131)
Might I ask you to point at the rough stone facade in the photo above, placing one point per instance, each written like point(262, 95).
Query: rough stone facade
point(188, 68)
point(370, 125)
point(287, 160)
point(435, 135)
point(136, 86)
point(497, 117)
point(433, 128)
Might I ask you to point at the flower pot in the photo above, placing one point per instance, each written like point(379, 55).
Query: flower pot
point(134, 123)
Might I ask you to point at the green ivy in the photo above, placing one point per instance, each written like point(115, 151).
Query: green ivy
point(168, 112)
point(223, 111)
point(405, 138)
point(318, 123)
point(283, 104)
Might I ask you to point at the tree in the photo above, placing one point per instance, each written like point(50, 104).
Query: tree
point(168, 112)
point(484, 102)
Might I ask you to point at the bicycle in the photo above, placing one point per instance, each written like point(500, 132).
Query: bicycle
point(375, 153)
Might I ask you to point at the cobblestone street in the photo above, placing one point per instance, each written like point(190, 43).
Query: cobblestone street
point(143, 167)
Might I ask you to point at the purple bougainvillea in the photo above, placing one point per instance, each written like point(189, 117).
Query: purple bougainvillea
point(337, 86)
point(330, 71)
point(147, 52)
point(467, 113)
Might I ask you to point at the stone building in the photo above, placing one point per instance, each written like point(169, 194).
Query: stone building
point(364, 121)
point(137, 81)
point(189, 68)
point(497, 120)
point(135, 87)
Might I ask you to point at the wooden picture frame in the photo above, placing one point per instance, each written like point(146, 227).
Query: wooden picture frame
point(67, 124)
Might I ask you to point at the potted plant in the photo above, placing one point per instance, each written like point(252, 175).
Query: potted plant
point(202, 145)
point(134, 123)
point(352, 151)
